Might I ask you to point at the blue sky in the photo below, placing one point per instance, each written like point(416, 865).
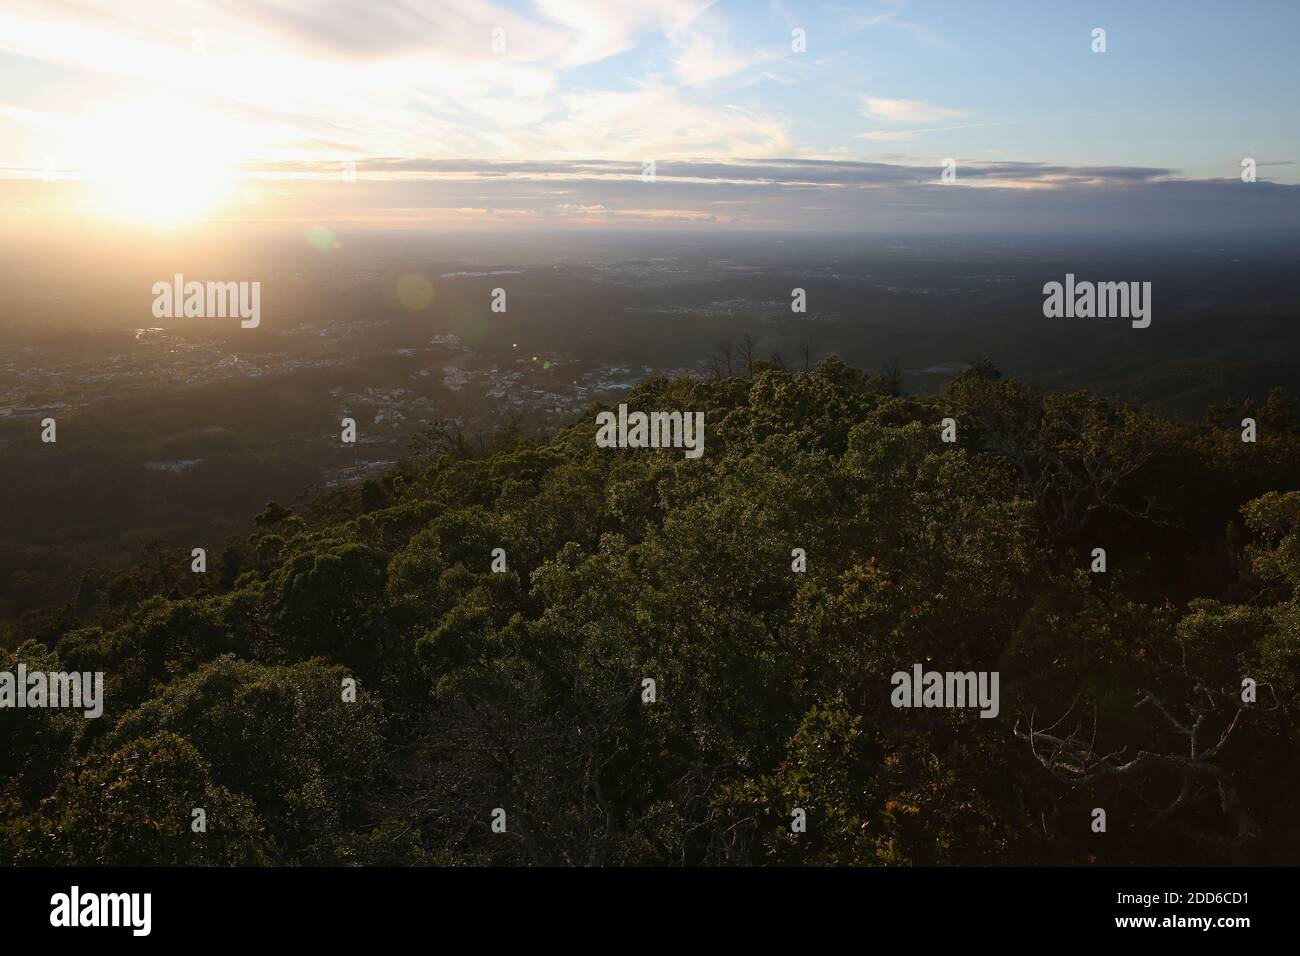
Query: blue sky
point(1193, 86)
point(252, 108)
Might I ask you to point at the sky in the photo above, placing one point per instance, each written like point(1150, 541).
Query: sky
point(763, 114)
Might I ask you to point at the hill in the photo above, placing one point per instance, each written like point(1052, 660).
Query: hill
point(676, 655)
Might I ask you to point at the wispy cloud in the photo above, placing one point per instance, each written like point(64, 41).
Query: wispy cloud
point(906, 111)
point(900, 135)
point(889, 14)
point(703, 58)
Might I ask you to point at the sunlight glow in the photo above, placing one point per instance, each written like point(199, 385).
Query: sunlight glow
point(160, 163)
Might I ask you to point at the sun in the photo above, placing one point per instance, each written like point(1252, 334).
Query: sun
point(160, 163)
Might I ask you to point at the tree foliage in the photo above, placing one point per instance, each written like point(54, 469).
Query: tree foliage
point(525, 688)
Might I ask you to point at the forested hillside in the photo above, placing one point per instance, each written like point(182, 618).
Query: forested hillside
point(525, 689)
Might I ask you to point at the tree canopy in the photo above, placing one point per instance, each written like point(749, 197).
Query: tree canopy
point(525, 688)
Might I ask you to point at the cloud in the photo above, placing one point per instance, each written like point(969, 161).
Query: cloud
point(782, 193)
point(754, 171)
point(889, 16)
point(704, 54)
point(351, 78)
point(906, 111)
point(652, 123)
point(702, 58)
point(899, 135)
point(599, 29)
point(881, 136)
point(364, 29)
